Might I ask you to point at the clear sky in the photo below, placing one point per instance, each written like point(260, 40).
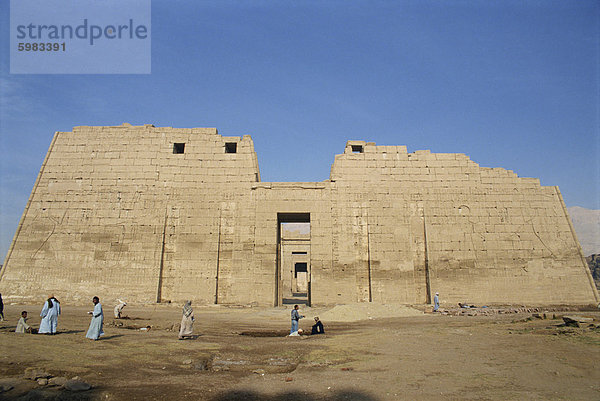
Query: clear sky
point(512, 84)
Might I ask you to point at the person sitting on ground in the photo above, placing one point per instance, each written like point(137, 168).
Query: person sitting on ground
point(317, 328)
point(22, 326)
point(119, 308)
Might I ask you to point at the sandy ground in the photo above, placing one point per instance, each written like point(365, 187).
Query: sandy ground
point(408, 355)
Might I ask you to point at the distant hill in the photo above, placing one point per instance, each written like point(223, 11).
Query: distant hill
point(594, 264)
point(587, 226)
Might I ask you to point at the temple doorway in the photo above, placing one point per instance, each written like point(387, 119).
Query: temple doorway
point(294, 258)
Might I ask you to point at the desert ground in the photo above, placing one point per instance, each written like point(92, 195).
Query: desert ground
point(368, 353)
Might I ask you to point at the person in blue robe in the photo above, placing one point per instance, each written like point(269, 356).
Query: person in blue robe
point(436, 302)
point(49, 315)
point(95, 330)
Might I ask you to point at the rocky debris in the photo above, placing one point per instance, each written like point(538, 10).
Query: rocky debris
point(35, 373)
point(4, 387)
point(537, 313)
point(42, 382)
point(57, 381)
point(259, 371)
point(289, 379)
point(576, 321)
point(205, 363)
point(187, 362)
point(174, 327)
point(76, 385)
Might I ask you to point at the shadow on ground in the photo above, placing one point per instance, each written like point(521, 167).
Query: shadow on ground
point(50, 395)
point(294, 396)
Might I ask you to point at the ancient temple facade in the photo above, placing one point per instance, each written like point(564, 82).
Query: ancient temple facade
point(156, 214)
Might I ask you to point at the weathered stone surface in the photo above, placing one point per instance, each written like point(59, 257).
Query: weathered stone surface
point(576, 320)
point(57, 381)
point(76, 385)
point(119, 210)
point(35, 374)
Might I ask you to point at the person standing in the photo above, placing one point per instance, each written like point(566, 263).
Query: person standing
point(49, 315)
point(95, 330)
point(1, 309)
point(187, 321)
point(295, 317)
point(436, 302)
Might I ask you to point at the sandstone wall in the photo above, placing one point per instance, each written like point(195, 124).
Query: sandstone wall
point(122, 212)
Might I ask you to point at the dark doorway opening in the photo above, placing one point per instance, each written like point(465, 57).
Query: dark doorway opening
point(293, 259)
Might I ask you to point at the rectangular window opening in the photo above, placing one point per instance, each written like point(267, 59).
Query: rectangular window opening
point(231, 147)
point(178, 148)
point(299, 253)
point(357, 149)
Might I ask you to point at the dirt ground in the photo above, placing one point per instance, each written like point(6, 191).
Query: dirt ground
point(243, 354)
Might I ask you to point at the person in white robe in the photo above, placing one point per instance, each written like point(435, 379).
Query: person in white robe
point(119, 308)
point(187, 321)
point(49, 315)
point(22, 326)
point(95, 330)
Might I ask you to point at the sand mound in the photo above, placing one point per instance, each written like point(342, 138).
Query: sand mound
point(354, 312)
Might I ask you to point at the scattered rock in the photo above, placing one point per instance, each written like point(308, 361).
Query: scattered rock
point(259, 371)
point(571, 320)
point(57, 381)
point(187, 362)
point(289, 379)
point(34, 374)
point(42, 382)
point(174, 327)
point(538, 316)
point(77, 385)
point(203, 364)
point(5, 387)
point(347, 369)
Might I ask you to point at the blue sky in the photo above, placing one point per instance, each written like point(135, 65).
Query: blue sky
point(512, 84)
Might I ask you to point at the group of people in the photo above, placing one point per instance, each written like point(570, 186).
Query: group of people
point(51, 312)
point(317, 328)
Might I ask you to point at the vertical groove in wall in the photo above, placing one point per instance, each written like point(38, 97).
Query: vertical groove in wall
point(218, 257)
point(427, 281)
point(579, 249)
point(369, 260)
point(37, 181)
point(162, 259)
